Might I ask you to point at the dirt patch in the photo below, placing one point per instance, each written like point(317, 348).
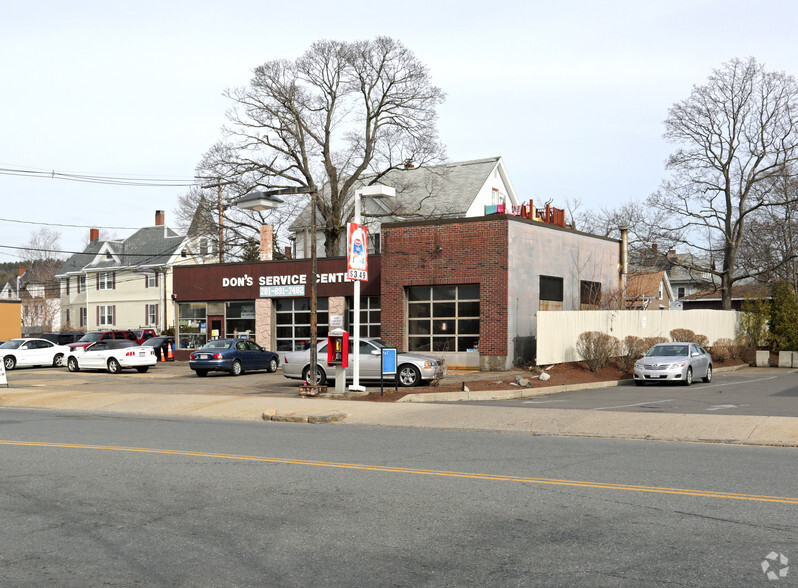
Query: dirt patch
point(559, 375)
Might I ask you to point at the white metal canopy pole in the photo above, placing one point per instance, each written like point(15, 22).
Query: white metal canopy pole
point(373, 191)
point(356, 339)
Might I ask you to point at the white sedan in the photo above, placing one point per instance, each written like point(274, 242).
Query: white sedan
point(112, 355)
point(32, 352)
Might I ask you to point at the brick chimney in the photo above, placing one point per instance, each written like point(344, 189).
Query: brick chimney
point(159, 218)
point(94, 234)
point(266, 242)
point(288, 252)
point(21, 270)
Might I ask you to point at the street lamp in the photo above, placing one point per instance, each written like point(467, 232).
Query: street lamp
point(265, 200)
point(373, 191)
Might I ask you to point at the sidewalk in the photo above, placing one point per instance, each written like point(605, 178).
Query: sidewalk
point(755, 430)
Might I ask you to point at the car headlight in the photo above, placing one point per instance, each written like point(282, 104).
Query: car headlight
point(680, 364)
point(638, 364)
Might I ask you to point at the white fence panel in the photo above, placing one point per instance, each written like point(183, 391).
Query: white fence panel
point(558, 331)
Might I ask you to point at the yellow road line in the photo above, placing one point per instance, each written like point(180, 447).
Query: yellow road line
point(443, 473)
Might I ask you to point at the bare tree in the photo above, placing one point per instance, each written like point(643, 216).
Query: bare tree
point(770, 244)
point(339, 111)
point(739, 136)
point(39, 287)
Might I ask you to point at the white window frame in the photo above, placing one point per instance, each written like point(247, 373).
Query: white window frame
point(152, 280)
point(106, 315)
point(81, 284)
point(84, 316)
point(152, 315)
point(105, 281)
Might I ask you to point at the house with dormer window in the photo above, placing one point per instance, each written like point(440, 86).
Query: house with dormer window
point(124, 283)
point(447, 191)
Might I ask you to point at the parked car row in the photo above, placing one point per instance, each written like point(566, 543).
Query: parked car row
point(113, 351)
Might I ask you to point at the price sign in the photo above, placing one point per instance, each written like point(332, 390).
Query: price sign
point(354, 274)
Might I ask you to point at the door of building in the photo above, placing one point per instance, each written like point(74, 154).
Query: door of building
point(215, 327)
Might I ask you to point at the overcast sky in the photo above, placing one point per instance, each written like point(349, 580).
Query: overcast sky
point(571, 94)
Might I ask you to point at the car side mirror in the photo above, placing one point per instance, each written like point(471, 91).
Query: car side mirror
point(375, 352)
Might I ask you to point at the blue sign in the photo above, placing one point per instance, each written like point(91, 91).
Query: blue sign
point(389, 360)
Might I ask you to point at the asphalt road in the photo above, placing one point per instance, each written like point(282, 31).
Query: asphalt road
point(758, 392)
point(92, 500)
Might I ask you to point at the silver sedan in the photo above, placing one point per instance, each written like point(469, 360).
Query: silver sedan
point(674, 362)
point(412, 368)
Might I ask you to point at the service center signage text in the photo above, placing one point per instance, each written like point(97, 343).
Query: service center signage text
point(289, 280)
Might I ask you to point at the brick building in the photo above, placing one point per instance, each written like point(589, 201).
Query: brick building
point(467, 289)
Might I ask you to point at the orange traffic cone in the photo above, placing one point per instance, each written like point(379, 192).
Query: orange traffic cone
point(169, 355)
point(162, 357)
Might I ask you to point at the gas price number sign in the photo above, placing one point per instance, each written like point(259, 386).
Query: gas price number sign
point(357, 252)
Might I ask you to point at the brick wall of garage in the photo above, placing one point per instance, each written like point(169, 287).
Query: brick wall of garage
point(472, 251)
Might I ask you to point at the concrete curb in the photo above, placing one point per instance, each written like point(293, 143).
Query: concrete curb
point(516, 393)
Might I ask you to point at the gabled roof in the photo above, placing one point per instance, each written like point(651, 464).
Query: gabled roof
point(440, 191)
point(147, 247)
point(739, 292)
point(643, 286)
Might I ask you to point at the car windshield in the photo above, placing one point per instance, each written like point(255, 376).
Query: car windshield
point(153, 342)
point(91, 337)
point(13, 344)
point(668, 351)
point(220, 344)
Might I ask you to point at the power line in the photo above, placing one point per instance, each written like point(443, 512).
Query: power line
point(108, 179)
point(11, 220)
point(38, 250)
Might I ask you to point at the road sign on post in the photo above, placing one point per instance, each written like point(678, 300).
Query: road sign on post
point(387, 366)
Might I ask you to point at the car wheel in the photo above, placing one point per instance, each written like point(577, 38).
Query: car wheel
point(708, 377)
point(202, 373)
point(321, 377)
point(142, 369)
point(237, 369)
point(409, 376)
point(9, 361)
point(273, 365)
point(58, 360)
point(113, 366)
point(688, 378)
point(72, 365)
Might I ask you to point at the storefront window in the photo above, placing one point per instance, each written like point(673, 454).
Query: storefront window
point(293, 322)
point(370, 316)
point(443, 318)
point(240, 319)
point(191, 325)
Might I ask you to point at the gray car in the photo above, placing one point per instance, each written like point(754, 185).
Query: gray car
point(674, 362)
point(412, 368)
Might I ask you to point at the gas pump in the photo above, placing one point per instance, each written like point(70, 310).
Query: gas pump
point(338, 356)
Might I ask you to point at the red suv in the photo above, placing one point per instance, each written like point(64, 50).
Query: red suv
point(143, 334)
point(95, 336)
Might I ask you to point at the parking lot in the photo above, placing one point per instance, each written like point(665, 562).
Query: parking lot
point(163, 378)
point(748, 391)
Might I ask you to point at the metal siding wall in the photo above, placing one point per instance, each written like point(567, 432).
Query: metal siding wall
point(558, 331)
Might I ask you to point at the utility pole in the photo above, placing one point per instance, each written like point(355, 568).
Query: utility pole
point(219, 185)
